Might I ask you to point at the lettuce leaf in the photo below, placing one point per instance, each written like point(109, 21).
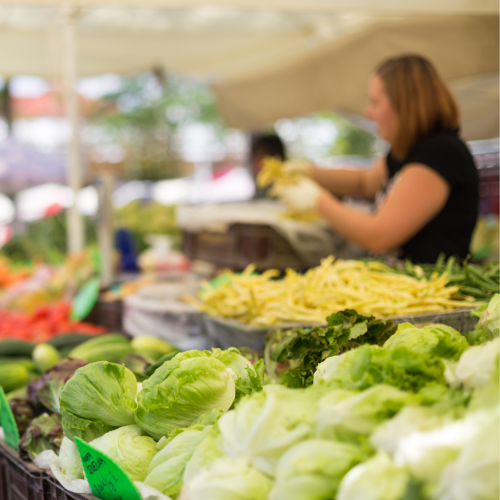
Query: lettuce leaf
point(189, 385)
point(370, 365)
point(130, 448)
point(313, 469)
point(228, 479)
point(99, 397)
point(263, 426)
point(439, 340)
point(250, 376)
point(352, 416)
point(379, 478)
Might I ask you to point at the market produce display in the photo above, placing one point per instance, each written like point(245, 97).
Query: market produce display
point(367, 287)
point(364, 409)
point(47, 285)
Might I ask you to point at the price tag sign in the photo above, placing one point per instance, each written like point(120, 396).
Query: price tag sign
point(85, 299)
point(107, 480)
point(9, 425)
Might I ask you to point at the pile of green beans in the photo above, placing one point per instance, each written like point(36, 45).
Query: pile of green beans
point(474, 280)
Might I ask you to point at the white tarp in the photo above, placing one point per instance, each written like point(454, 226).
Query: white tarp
point(464, 49)
point(447, 6)
point(266, 59)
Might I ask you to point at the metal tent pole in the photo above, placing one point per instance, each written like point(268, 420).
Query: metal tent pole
point(75, 239)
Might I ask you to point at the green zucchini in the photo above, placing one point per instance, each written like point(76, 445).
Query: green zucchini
point(69, 339)
point(110, 347)
point(13, 347)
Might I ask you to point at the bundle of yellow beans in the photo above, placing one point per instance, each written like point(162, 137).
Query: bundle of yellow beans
point(368, 287)
point(273, 174)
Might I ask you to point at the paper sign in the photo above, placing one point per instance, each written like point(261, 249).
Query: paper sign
point(9, 425)
point(107, 480)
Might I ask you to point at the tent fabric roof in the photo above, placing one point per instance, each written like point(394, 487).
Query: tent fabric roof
point(464, 49)
point(225, 42)
point(265, 58)
point(321, 6)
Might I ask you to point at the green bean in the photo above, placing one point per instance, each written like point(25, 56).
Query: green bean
point(457, 277)
point(449, 266)
point(410, 269)
point(440, 261)
point(480, 279)
point(469, 290)
point(493, 271)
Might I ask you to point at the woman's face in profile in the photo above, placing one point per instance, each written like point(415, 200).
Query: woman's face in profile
point(380, 109)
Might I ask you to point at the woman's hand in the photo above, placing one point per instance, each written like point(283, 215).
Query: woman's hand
point(303, 196)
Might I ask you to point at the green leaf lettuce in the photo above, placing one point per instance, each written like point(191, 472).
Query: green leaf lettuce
point(439, 340)
point(189, 385)
point(369, 365)
point(99, 397)
point(313, 469)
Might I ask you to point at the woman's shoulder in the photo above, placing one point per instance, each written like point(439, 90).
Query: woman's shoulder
point(445, 152)
point(446, 140)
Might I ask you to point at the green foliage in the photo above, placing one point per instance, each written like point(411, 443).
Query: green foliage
point(351, 139)
point(145, 115)
point(45, 240)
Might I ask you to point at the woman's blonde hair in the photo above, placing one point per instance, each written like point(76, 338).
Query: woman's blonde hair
point(422, 101)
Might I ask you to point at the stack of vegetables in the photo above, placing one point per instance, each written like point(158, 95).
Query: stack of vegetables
point(45, 284)
point(365, 410)
point(367, 287)
point(34, 399)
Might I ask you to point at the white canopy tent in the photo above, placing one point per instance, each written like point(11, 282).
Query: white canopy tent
point(465, 49)
point(265, 58)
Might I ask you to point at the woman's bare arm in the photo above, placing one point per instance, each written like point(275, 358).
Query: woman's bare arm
point(346, 182)
point(417, 196)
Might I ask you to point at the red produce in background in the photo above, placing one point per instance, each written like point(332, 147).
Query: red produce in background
point(46, 322)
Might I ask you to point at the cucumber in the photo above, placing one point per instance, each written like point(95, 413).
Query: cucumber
point(64, 351)
point(13, 347)
point(109, 347)
point(69, 339)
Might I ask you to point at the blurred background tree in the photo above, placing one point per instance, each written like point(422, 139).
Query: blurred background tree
point(145, 116)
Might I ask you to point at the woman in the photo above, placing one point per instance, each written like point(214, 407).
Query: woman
point(429, 176)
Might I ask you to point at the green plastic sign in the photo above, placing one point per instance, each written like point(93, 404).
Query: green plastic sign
point(85, 299)
point(107, 480)
point(10, 430)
